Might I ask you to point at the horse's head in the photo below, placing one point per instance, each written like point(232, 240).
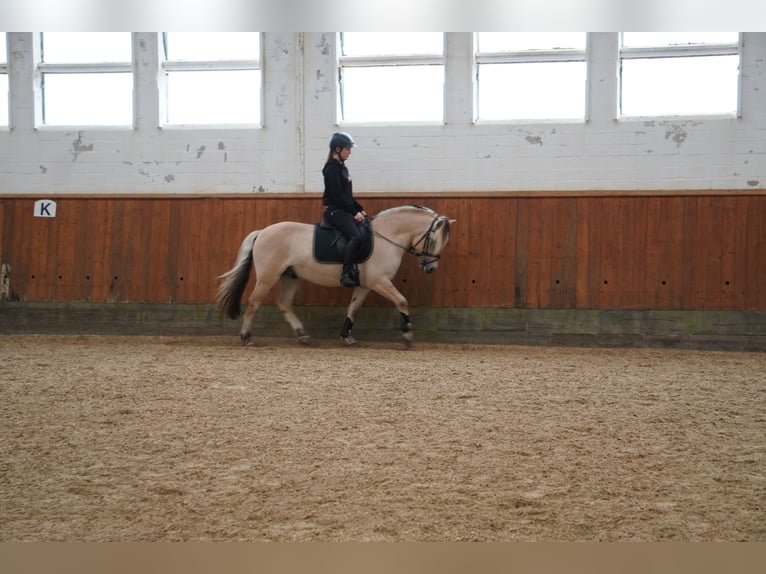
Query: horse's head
point(432, 242)
point(419, 231)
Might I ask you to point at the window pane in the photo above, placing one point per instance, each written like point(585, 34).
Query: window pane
point(215, 97)
point(662, 86)
point(86, 47)
point(3, 99)
point(211, 46)
point(521, 41)
point(646, 39)
point(393, 93)
point(3, 53)
point(532, 91)
point(391, 43)
point(88, 99)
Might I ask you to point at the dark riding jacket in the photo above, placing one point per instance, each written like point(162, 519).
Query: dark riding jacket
point(338, 192)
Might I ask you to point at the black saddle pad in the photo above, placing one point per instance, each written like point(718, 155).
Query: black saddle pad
point(330, 244)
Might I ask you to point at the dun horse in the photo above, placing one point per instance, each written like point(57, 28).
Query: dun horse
point(284, 252)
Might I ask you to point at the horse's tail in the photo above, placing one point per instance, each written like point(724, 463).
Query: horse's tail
point(234, 281)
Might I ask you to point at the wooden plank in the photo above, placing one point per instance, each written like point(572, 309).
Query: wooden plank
point(673, 260)
point(582, 254)
point(759, 219)
point(157, 251)
point(627, 296)
point(123, 250)
point(611, 281)
point(556, 231)
point(755, 271)
point(733, 264)
point(564, 258)
point(447, 274)
point(547, 229)
point(85, 248)
point(100, 233)
point(188, 250)
point(137, 213)
point(690, 246)
point(51, 226)
point(462, 239)
point(540, 246)
point(32, 252)
point(655, 284)
point(66, 224)
point(5, 232)
point(501, 223)
point(477, 262)
point(595, 239)
point(711, 220)
point(175, 245)
point(117, 252)
point(535, 253)
point(521, 278)
point(10, 245)
point(17, 248)
point(213, 220)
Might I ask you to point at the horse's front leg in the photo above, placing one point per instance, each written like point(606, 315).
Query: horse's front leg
point(386, 288)
point(357, 298)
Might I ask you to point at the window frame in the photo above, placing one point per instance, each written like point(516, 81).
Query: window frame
point(381, 61)
point(679, 51)
point(167, 66)
point(4, 71)
point(530, 56)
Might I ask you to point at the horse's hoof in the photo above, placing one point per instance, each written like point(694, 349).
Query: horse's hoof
point(304, 339)
point(246, 340)
point(407, 339)
point(349, 341)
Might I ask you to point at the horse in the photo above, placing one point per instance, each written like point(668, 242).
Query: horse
point(283, 252)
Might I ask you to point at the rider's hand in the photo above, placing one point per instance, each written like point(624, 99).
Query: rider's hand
point(359, 216)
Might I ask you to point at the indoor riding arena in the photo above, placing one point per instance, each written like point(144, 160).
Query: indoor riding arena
point(587, 363)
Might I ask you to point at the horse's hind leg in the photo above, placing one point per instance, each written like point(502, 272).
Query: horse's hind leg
point(289, 286)
point(254, 301)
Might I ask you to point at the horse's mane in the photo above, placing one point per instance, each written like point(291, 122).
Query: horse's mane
point(401, 208)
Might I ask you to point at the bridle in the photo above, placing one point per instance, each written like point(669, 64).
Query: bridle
point(425, 239)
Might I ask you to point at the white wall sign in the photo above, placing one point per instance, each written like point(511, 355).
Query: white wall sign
point(45, 208)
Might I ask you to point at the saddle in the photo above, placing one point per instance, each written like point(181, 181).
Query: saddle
point(330, 244)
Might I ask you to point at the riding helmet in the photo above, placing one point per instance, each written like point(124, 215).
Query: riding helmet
point(341, 139)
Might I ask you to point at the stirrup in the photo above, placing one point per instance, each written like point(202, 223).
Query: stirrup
point(350, 277)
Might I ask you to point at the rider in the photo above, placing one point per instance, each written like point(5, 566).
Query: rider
point(340, 208)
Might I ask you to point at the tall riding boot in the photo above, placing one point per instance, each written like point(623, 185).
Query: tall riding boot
point(349, 277)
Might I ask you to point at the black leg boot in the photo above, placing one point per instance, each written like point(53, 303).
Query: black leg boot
point(349, 277)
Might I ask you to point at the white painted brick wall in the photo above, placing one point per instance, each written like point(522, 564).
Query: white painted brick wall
point(287, 153)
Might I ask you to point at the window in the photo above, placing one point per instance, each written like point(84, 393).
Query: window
point(679, 73)
point(3, 81)
point(530, 76)
point(212, 78)
point(87, 78)
point(391, 77)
